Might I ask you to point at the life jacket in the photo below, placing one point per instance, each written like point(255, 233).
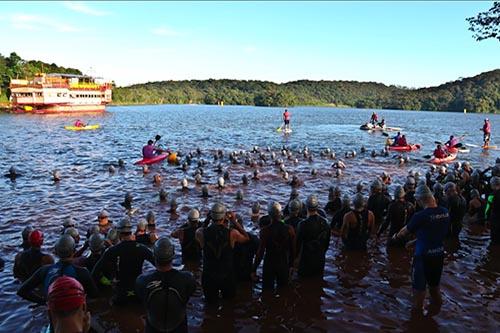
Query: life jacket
point(57, 270)
point(217, 252)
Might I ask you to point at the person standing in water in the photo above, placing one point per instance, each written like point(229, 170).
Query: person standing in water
point(286, 119)
point(430, 225)
point(487, 132)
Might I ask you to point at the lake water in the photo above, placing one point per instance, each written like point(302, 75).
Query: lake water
point(360, 292)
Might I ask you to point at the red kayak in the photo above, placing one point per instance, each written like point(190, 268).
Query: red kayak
point(405, 148)
point(153, 160)
point(447, 159)
point(452, 150)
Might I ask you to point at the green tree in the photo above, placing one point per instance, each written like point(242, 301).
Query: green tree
point(486, 24)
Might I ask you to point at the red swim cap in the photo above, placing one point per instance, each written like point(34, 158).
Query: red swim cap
point(36, 238)
point(65, 294)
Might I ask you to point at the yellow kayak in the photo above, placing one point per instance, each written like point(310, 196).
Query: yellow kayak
point(83, 128)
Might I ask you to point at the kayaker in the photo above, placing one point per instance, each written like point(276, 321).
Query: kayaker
point(451, 143)
point(286, 119)
point(402, 141)
point(487, 132)
point(439, 152)
point(396, 139)
point(374, 118)
point(79, 123)
point(150, 151)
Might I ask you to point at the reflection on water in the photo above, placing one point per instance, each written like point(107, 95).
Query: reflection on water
point(360, 291)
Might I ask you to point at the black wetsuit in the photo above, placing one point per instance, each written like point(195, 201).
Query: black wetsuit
point(28, 262)
point(243, 256)
point(457, 207)
point(313, 239)
point(45, 275)
point(218, 270)
point(338, 218)
point(378, 203)
point(358, 235)
point(333, 205)
point(165, 295)
point(293, 221)
point(277, 241)
point(191, 249)
point(494, 217)
point(398, 215)
point(144, 239)
point(128, 257)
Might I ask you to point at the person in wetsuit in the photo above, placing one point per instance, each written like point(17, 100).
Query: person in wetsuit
point(313, 239)
point(191, 249)
point(128, 257)
point(338, 217)
point(165, 292)
point(217, 241)
point(243, 253)
point(293, 219)
point(45, 275)
point(31, 259)
point(430, 225)
point(492, 211)
point(357, 225)
point(334, 202)
point(67, 306)
point(398, 214)
point(378, 202)
point(277, 246)
point(457, 207)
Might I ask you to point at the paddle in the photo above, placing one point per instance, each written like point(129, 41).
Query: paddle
point(279, 128)
point(157, 138)
point(385, 134)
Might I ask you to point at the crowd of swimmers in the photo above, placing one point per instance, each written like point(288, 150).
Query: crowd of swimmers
point(292, 241)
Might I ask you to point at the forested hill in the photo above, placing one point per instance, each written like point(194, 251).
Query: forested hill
point(480, 93)
point(14, 67)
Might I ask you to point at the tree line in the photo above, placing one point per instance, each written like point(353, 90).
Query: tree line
point(480, 93)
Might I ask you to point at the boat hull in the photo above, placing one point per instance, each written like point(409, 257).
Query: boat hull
point(53, 109)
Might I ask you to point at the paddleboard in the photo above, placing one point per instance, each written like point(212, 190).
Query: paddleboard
point(489, 147)
point(83, 128)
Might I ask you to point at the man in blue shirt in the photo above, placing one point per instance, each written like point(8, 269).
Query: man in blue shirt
point(430, 225)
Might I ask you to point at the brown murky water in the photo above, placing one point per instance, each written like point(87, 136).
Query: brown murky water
point(360, 291)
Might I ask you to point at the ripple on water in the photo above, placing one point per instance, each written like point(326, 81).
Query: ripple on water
point(363, 292)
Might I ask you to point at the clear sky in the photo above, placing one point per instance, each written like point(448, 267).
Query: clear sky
point(413, 44)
